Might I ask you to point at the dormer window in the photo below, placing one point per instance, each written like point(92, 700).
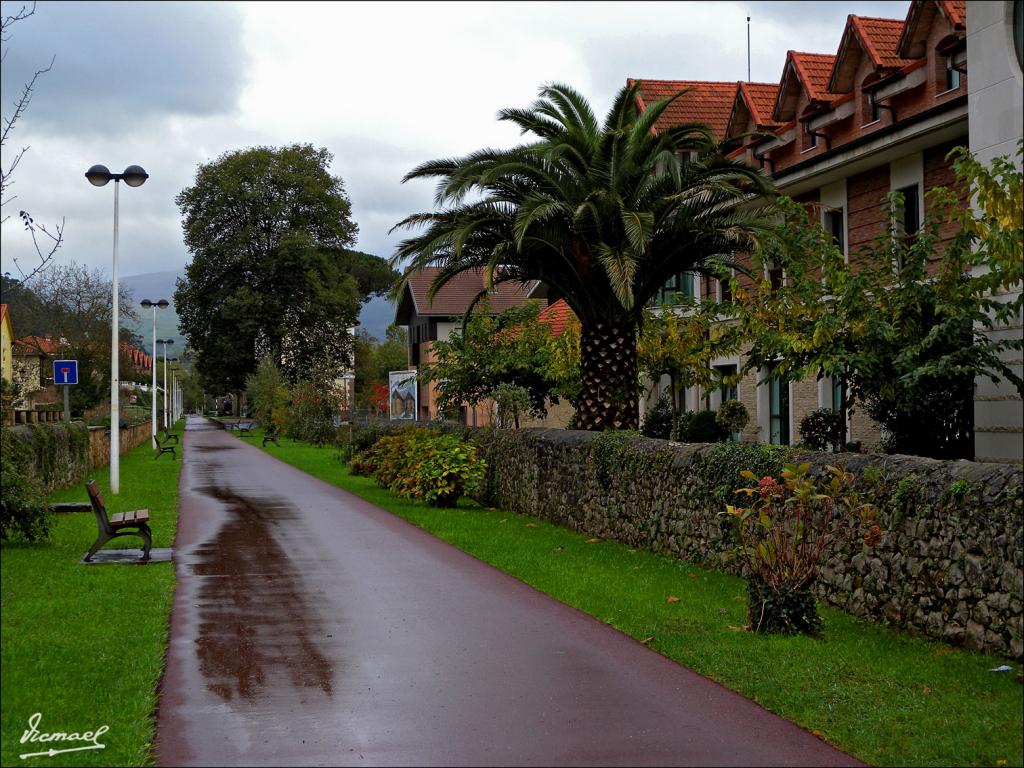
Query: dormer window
point(810, 137)
point(952, 75)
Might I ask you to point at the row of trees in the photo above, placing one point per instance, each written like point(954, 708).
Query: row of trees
point(605, 214)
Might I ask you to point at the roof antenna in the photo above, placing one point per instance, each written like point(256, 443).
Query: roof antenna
point(748, 49)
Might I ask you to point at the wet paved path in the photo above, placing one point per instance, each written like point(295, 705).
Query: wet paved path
point(312, 628)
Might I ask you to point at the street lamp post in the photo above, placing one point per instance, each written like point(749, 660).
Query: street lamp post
point(165, 342)
point(162, 304)
point(99, 176)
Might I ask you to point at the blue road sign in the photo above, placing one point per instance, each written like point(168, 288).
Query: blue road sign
point(65, 371)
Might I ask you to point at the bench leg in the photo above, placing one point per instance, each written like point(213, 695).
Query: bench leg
point(147, 541)
point(102, 539)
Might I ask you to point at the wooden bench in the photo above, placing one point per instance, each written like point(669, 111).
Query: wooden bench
point(246, 428)
point(117, 525)
point(270, 436)
point(166, 444)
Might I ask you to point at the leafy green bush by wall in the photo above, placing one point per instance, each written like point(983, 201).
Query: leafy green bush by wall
point(822, 429)
point(23, 510)
point(701, 427)
point(658, 420)
point(732, 416)
point(423, 464)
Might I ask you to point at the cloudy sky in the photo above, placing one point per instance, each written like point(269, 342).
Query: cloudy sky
point(383, 86)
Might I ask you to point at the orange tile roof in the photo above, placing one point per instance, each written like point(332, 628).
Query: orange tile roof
point(814, 70)
point(881, 39)
point(558, 316)
point(955, 10)
point(455, 297)
point(704, 102)
point(760, 99)
point(35, 345)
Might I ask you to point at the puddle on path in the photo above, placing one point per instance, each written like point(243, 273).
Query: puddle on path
point(256, 626)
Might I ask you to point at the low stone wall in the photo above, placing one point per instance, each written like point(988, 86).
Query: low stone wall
point(55, 454)
point(949, 565)
point(99, 442)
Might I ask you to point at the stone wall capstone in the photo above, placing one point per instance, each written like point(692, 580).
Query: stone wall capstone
point(949, 565)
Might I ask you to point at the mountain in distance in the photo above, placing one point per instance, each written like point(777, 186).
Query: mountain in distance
point(155, 286)
point(375, 316)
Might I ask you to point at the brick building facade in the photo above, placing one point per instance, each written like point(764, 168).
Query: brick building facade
point(838, 133)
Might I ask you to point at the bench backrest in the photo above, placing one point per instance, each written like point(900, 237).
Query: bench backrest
point(96, 498)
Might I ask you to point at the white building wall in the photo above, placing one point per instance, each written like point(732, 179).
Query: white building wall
point(995, 102)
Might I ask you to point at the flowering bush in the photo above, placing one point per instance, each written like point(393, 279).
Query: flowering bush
point(423, 464)
point(784, 535)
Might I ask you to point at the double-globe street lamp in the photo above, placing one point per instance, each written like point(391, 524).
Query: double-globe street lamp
point(166, 343)
point(99, 176)
point(162, 304)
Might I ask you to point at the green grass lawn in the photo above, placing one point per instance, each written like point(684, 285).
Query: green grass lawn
point(882, 695)
point(84, 645)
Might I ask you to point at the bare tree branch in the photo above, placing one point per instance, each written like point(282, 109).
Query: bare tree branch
point(46, 249)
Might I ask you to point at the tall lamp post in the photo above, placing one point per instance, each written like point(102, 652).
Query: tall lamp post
point(99, 176)
point(165, 342)
point(162, 304)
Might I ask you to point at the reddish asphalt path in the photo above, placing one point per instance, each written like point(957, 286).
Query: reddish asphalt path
point(313, 628)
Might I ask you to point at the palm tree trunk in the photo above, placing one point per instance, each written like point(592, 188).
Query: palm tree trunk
point(608, 398)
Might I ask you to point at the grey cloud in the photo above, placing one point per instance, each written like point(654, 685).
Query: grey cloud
point(119, 64)
point(824, 11)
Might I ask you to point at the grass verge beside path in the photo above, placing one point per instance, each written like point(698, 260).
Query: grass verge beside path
point(884, 696)
point(84, 645)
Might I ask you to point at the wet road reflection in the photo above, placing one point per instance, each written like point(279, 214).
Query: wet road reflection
point(255, 623)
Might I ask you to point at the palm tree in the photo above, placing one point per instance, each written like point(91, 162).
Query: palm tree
point(603, 215)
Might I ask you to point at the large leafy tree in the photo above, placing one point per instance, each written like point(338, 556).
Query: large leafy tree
point(602, 214)
point(272, 274)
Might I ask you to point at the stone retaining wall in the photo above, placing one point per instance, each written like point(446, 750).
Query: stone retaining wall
point(99, 442)
point(949, 565)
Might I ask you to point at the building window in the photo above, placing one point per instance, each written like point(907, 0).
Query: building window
point(838, 388)
point(729, 391)
point(911, 220)
point(776, 277)
point(952, 75)
point(681, 283)
point(724, 291)
point(810, 138)
point(834, 226)
point(778, 409)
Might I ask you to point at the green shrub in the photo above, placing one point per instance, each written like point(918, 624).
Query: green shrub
point(732, 416)
point(658, 420)
point(822, 429)
point(700, 427)
point(313, 414)
point(423, 464)
point(267, 394)
point(23, 510)
point(448, 469)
